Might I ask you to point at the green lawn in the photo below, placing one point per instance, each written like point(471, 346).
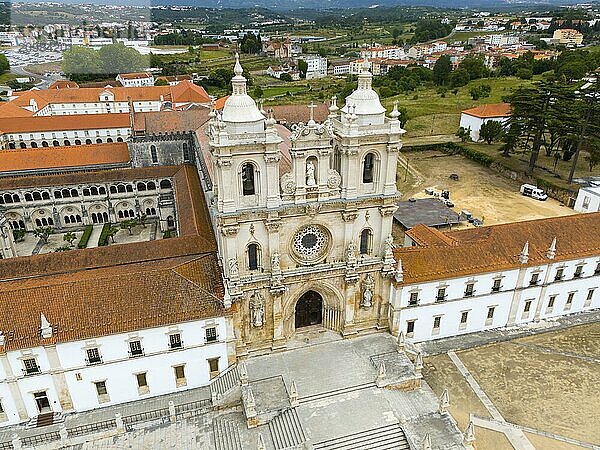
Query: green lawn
point(465, 35)
point(431, 113)
point(280, 90)
point(213, 54)
point(7, 77)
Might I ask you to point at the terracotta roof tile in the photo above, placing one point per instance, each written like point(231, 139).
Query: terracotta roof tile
point(187, 92)
point(63, 84)
point(88, 156)
point(10, 109)
point(497, 248)
point(299, 113)
point(135, 75)
point(170, 121)
point(489, 110)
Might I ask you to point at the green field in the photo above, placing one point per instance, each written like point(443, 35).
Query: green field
point(214, 54)
point(463, 36)
point(7, 77)
point(430, 112)
point(273, 91)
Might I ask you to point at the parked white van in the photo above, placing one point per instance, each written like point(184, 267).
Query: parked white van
point(533, 191)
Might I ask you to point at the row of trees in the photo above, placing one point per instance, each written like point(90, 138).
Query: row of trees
point(470, 68)
point(183, 37)
point(552, 116)
point(85, 64)
point(429, 29)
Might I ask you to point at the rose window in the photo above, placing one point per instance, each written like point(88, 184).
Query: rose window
point(310, 242)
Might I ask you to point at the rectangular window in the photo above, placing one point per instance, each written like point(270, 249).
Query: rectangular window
point(93, 356)
point(464, 316)
point(213, 367)
point(559, 274)
point(1, 410)
point(578, 271)
point(535, 277)
point(142, 383)
point(175, 341)
point(135, 349)
point(527, 306)
point(31, 366)
point(490, 312)
point(410, 328)
point(597, 270)
point(179, 375)
point(414, 299)
point(551, 301)
point(441, 295)
point(569, 301)
point(469, 290)
point(496, 286)
point(102, 391)
point(436, 322)
point(590, 294)
point(211, 334)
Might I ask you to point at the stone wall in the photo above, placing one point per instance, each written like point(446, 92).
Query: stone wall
point(169, 149)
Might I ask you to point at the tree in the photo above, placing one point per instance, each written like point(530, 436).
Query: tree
point(441, 70)
point(19, 235)
point(251, 43)
point(80, 60)
point(464, 134)
point(4, 64)
point(302, 68)
point(593, 156)
point(117, 58)
point(524, 74)
point(43, 233)
point(286, 77)
point(128, 225)
point(161, 82)
point(481, 91)
point(143, 218)
point(69, 237)
point(458, 78)
point(112, 230)
point(474, 66)
point(258, 92)
point(490, 131)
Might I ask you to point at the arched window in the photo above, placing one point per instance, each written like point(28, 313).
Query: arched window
point(109, 140)
point(170, 222)
point(165, 184)
point(88, 141)
point(253, 256)
point(131, 213)
point(36, 196)
point(98, 141)
point(44, 143)
point(51, 221)
point(151, 186)
point(186, 152)
point(78, 218)
point(105, 216)
point(129, 188)
point(119, 139)
point(94, 218)
point(55, 143)
point(34, 145)
point(66, 193)
point(153, 154)
point(38, 223)
point(86, 192)
point(45, 196)
point(368, 168)
point(21, 224)
point(248, 186)
point(113, 189)
point(93, 190)
point(67, 142)
point(121, 188)
point(74, 193)
point(44, 221)
point(102, 190)
point(57, 194)
point(366, 241)
point(11, 145)
point(67, 220)
point(16, 198)
point(120, 214)
point(23, 145)
point(141, 186)
point(77, 141)
point(8, 198)
point(28, 197)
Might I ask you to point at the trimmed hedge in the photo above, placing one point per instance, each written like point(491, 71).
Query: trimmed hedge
point(103, 240)
point(453, 148)
point(85, 237)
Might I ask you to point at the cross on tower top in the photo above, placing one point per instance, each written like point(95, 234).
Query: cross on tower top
point(312, 107)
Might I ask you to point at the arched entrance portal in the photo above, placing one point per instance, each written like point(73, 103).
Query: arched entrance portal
point(309, 310)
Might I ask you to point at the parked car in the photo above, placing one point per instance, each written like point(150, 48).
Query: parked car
point(532, 191)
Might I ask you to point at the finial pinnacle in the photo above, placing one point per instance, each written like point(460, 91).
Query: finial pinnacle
point(237, 69)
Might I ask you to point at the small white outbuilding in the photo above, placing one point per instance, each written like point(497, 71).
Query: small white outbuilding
point(475, 117)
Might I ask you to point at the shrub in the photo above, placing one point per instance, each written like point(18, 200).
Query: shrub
point(103, 240)
point(85, 237)
point(524, 73)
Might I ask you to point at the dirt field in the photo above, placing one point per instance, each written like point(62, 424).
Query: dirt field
point(548, 382)
point(479, 190)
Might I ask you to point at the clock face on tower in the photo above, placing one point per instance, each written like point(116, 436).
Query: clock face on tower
point(310, 243)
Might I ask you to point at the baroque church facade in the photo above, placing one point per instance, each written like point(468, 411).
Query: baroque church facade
point(304, 227)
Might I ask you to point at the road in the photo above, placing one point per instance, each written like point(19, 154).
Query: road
point(44, 82)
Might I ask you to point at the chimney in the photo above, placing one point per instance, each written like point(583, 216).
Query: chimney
point(551, 253)
point(524, 256)
point(46, 328)
point(399, 272)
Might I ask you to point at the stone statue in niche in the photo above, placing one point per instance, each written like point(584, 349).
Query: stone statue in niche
point(310, 174)
point(275, 264)
point(367, 295)
point(257, 309)
point(234, 271)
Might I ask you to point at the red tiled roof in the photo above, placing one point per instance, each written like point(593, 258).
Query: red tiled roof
point(489, 110)
point(135, 76)
point(187, 92)
point(496, 248)
point(63, 84)
point(23, 160)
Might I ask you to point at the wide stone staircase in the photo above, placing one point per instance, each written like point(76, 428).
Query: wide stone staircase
point(224, 384)
point(333, 393)
point(226, 434)
point(387, 437)
point(286, 430)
